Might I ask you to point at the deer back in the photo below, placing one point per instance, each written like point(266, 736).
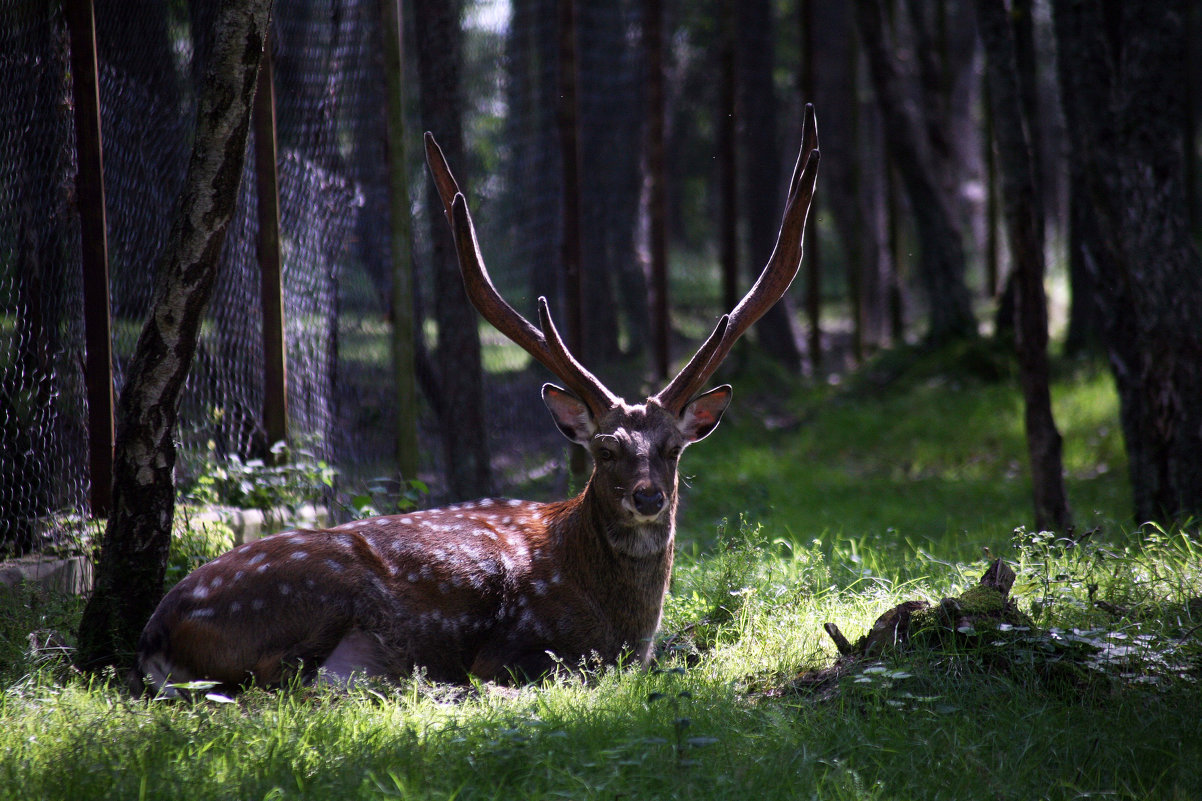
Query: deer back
point(479, 588)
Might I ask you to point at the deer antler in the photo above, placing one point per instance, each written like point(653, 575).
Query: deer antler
point(544, 345)
point(778, 273)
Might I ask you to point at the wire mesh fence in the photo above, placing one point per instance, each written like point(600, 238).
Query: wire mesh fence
point(333, 230)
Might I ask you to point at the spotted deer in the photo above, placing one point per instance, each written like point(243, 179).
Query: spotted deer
point(497, 589)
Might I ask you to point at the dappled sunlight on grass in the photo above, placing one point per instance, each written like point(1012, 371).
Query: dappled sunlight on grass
point(828, 506)
point(940, 466)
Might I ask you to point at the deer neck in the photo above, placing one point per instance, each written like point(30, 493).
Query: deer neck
point(626, 568)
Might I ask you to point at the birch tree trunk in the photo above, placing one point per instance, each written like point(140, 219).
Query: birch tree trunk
point(133, 556)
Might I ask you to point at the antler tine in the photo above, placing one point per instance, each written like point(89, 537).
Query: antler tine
point(583, 383)
point(447, 186)
point(772, 283)
point(548, 349)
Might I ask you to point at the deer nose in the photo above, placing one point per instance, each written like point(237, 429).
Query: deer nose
point(648, 501)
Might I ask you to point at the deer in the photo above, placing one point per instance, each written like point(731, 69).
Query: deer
point(501, 590)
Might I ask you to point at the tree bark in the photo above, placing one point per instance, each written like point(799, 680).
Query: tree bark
point(1024, 223)
point(1123, 108)
point(910, 147)
point(763, 195)
point(460, 374)
point(137, 540)
point(763, 192)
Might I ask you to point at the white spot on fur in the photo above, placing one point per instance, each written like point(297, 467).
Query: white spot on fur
point(335, 565)
point(298, 555)
point(529, 622)
point(256, 604)
point(254, 560)
point(263, 567)
point(285, 589)
point(235, 607)
point(200, 591)
point(203, 612)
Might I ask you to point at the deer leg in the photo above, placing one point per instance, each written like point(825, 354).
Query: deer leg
point(358, 655)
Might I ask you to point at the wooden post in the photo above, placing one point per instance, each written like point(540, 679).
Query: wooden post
point(404, 348)
point(653, 47)
point(89, 187)
point(275, 352)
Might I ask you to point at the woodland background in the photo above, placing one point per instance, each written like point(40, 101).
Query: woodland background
point(679, 121)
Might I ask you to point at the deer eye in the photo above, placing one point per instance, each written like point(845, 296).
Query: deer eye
point(605, 454)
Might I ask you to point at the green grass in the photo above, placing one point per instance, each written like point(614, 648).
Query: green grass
point(838, 504)
point(923, 463)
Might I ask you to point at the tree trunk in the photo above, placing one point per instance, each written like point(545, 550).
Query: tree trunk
point(850, 185)
point(1123, 108)
point(133, 558)
point(655, 181)
point(910, 144)
point(611, 122)
point(1024, 223)
point(461, 379)
point(728, 155)
point(763, 192)
point(531, 189)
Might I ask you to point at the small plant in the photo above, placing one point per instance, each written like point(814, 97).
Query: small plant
point(709, 596)
point(385, 495)
point(683, 745)
point(32, 622)
point(193, 544)
point(292, 478)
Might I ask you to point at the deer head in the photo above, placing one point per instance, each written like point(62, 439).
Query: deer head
point(493, 588)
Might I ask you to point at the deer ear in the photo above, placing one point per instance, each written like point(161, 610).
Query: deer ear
point(570, 413)
point(702, 414)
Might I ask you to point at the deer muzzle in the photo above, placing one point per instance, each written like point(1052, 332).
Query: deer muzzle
point(648, 501)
